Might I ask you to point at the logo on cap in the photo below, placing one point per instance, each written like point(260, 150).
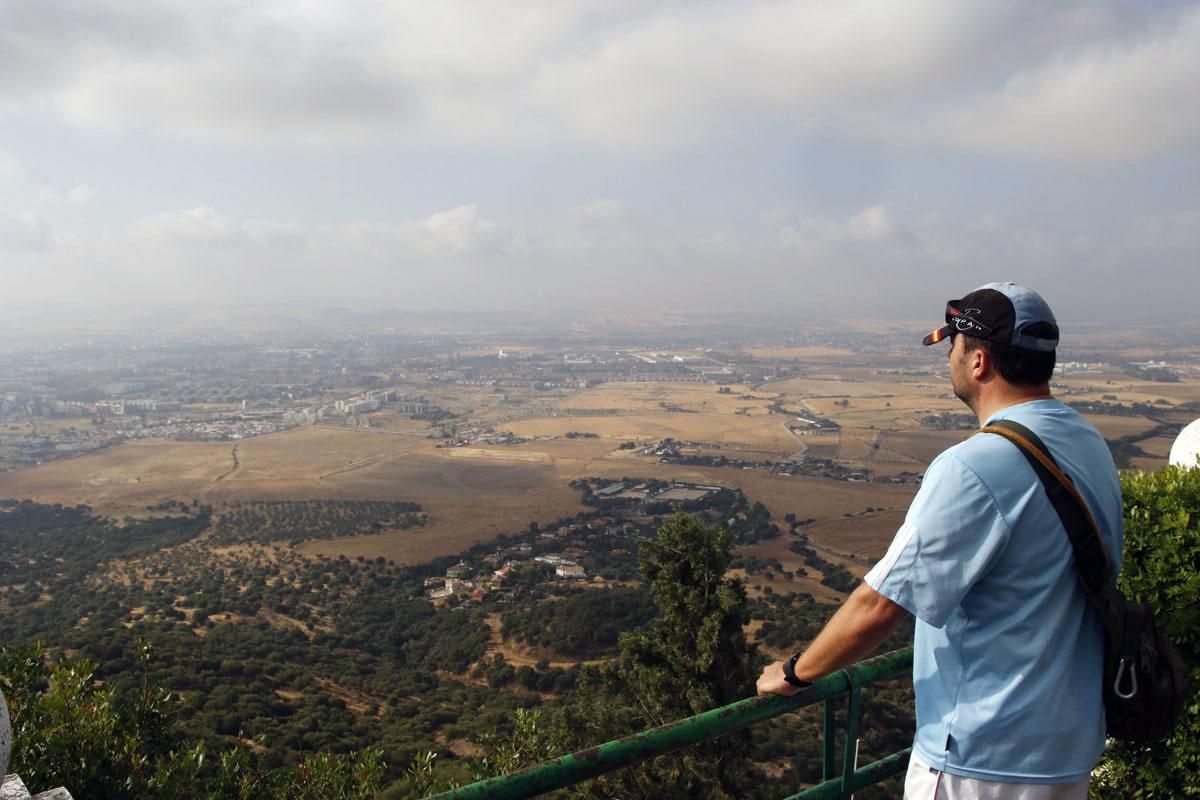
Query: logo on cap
point(964, 322)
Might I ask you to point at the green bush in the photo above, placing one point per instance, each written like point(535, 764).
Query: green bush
point(1162, 568)
point(71, 731)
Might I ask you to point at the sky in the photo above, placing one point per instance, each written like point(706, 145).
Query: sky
point(864, 160)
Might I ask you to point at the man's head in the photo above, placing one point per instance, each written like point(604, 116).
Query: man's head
point(999, 331)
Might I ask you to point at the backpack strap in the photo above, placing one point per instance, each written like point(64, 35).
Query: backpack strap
point(1146, 682)
point(1091, 559)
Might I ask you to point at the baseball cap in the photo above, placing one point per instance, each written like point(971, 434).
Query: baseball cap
point(1001, 312)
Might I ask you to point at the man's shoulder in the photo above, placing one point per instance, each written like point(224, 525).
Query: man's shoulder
point(1046, 415)
point(1066, 432)
point(984, 465)
point(981, 453)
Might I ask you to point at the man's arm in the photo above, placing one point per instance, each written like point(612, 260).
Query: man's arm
point(864, 621)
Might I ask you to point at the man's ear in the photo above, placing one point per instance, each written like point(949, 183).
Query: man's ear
point(980, 363)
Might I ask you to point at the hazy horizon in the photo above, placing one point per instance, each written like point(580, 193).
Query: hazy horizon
point(857, 161)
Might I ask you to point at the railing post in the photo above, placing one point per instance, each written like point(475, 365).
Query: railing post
point(853, 720)
point(829, 754)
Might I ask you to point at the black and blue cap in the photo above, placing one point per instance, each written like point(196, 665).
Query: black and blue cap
point(1001, 312)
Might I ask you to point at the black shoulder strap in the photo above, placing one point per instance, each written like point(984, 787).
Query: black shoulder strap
point(1091, 559)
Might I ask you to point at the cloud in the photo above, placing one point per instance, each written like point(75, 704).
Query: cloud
point(1109, 101)
point(204, 229)
point(24, 233)
point(11, 170)
point(81, 193)
point(207, 256)
point(938, 254)
point(463, 230)
point(874, 262)
point(1073, 80)
point(606, 210)
point(872, 225)
point(25, 189)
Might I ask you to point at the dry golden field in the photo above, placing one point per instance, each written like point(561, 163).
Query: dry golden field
point(399, 423)
point(315, 454)
point(1158, 446)
point(124, 479)
point(834, 383)
point(766, 435)
point(864, 399)
point(806, 584)
point(897, 411)
point(1113, 427)
point(468, 498)
point(473, 493)
point(1132, 390)
point(821, 499)
point(863, 537)
point(650, 397)
point(45, 426)
point(819, 444)
point(917, 447)
point(810, 583)
point(456, 524)
point(806, 354)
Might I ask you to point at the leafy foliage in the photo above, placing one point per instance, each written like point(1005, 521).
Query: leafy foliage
point(69, 730)
point(300, 520)
point(39, 542)
point(281, 666)
point(1162, 567)
point(585, 623)
point(529, 743)
point(692, 657)
point(264, 645)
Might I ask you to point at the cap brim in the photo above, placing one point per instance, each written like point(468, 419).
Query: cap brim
point(936, 336)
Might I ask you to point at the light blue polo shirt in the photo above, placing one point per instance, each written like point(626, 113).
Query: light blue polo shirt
point(1008, 655)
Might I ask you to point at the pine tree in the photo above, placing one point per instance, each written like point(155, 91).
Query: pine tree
point(691, 658)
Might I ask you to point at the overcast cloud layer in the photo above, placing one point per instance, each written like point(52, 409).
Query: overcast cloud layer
point(876, 157)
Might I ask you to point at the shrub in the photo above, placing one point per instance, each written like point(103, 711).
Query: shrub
point(1162, 567)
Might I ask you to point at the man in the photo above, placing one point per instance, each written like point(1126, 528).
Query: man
point(1008, 654)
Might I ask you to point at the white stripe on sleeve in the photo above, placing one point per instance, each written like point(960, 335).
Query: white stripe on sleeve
point(880, 571)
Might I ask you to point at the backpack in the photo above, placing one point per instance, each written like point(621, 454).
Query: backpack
point(1145, 681)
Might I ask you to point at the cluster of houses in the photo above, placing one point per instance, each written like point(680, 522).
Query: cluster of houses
point(364, 403)
point(675, 491)
point(458, 581)
point(485, 435)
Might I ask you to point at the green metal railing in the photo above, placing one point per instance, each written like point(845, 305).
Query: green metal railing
point(589, 763)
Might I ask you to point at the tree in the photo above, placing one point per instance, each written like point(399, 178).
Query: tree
point(692, 657)
point(70, 731)
point(1161, 567)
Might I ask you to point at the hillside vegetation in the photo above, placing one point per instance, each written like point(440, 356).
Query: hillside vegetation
point(143, 660)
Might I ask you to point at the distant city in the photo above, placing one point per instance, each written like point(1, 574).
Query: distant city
point(82, 395)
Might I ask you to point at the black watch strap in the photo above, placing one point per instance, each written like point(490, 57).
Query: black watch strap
point(789, 674)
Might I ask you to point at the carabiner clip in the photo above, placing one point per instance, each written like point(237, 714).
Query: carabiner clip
point(1132, 682)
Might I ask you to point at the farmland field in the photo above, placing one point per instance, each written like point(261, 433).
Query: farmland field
point(765, 434)
point(650, 397)
point(471, 493)
point(1114, 427)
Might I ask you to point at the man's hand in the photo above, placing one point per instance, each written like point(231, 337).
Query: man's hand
point(771, 681)
point(863, 622)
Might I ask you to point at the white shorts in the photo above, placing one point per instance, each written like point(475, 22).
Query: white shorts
point(925, 783)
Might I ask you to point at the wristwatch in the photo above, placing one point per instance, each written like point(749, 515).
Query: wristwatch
point(789, 674)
